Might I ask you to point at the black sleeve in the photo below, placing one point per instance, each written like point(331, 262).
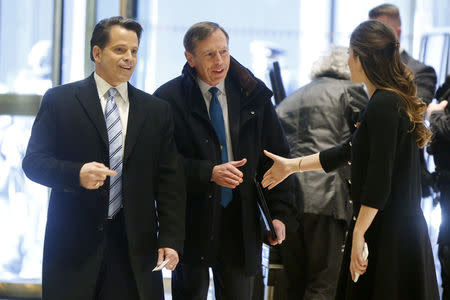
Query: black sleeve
point(425, 79)
point(171, 198)
point(336, 157)
point(357, 101)
point(41, 163)
point(382, 117)
point(440, 125)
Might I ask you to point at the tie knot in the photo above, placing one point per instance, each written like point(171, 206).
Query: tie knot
point(213, 90)
point(112, 92)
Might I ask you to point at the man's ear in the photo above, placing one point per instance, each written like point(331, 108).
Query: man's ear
point(189, 58)
point(97, 53)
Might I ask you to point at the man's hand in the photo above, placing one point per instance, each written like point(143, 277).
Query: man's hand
point(227, 174)
point(171, 255)
point(280, 229)
point(93, 175)
point(433, 106)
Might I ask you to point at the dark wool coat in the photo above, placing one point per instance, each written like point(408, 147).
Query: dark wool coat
point(69, 131)
point(254, 126)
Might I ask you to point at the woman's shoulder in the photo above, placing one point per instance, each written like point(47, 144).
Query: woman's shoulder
point(384, 100)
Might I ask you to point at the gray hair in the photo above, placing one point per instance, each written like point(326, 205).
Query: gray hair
point(332, 64)
point(389, 10)
point(199, 32)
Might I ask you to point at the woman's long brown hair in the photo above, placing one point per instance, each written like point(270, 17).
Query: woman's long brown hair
point(377, 47)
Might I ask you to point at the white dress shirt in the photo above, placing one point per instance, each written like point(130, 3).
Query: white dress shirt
point(121, 98)
point(221, 95)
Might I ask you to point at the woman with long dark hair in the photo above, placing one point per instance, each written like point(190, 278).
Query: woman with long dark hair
point(385, 176)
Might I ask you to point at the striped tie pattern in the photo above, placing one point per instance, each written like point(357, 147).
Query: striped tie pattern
point(114, 128)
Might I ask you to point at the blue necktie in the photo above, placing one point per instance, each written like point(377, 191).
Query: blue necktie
point(114, 128)
point(215, 113)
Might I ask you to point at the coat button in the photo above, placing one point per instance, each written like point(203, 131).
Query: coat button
point(252, 112)
point(350, 201)
point(206, 141)
point(349, 163)
point(350, 143)
point(349, 181)
point(354, 218)
point(100, 227)
point(202, 258)
point(210, 196)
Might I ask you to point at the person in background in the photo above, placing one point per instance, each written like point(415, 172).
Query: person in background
point(424, 77)
point(223, 120)
point(385, 176)
point(316, 117)
point(439, 116)
point(106, 150)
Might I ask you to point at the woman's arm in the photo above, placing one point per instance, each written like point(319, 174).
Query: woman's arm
point(365, 218)
point(283, 167)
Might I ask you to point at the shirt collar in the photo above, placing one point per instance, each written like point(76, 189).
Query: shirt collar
point(103, 87)
point(204, 88)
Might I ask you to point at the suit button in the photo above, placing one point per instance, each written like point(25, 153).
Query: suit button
point(202, 258)
point(354, 218)
point(206, 141)
point(350, 201)
point(210, 196)
point(349, 163)
point(100, 227)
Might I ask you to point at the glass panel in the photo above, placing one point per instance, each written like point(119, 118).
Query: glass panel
point(26, 46)
point(26, 34)
point(257, 33)
point(73, 40)
point(107, 8)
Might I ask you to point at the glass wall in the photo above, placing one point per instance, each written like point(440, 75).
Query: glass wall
point(26, 64)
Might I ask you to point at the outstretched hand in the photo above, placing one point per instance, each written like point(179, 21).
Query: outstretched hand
point(281, 168)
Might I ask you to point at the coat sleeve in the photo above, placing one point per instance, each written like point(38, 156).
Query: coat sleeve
point(41, 163)
point(440, 125)
point(281, 198)
point(425, 79)
point(382, 118)
point(171, 198)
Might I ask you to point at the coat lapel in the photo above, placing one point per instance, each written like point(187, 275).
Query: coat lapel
point(136, 118)
point(87, 95)
point(234, 107)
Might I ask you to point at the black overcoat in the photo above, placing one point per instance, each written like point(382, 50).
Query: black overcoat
point(385, 174)
point(69, 131)
point(254, 126)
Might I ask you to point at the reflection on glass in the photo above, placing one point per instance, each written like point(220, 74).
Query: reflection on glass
point(23, 205)
point(25, 34)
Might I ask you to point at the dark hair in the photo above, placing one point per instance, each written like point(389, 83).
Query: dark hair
point(388, 10)
point(100, 35)
point(199, 32)
point(377, 47)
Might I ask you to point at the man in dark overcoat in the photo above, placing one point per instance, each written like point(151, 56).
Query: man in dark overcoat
point(106, 150)
point(224, 118)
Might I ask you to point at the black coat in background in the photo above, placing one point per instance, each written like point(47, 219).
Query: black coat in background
point(69, 131)
point(254, 126)
point(386, 175)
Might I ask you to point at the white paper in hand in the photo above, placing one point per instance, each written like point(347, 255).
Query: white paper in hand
point(365, 256)
point(157, 268)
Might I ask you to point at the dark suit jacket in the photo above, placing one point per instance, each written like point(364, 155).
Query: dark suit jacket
point(254, 126)
point(69, 131)
point(424, 77)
